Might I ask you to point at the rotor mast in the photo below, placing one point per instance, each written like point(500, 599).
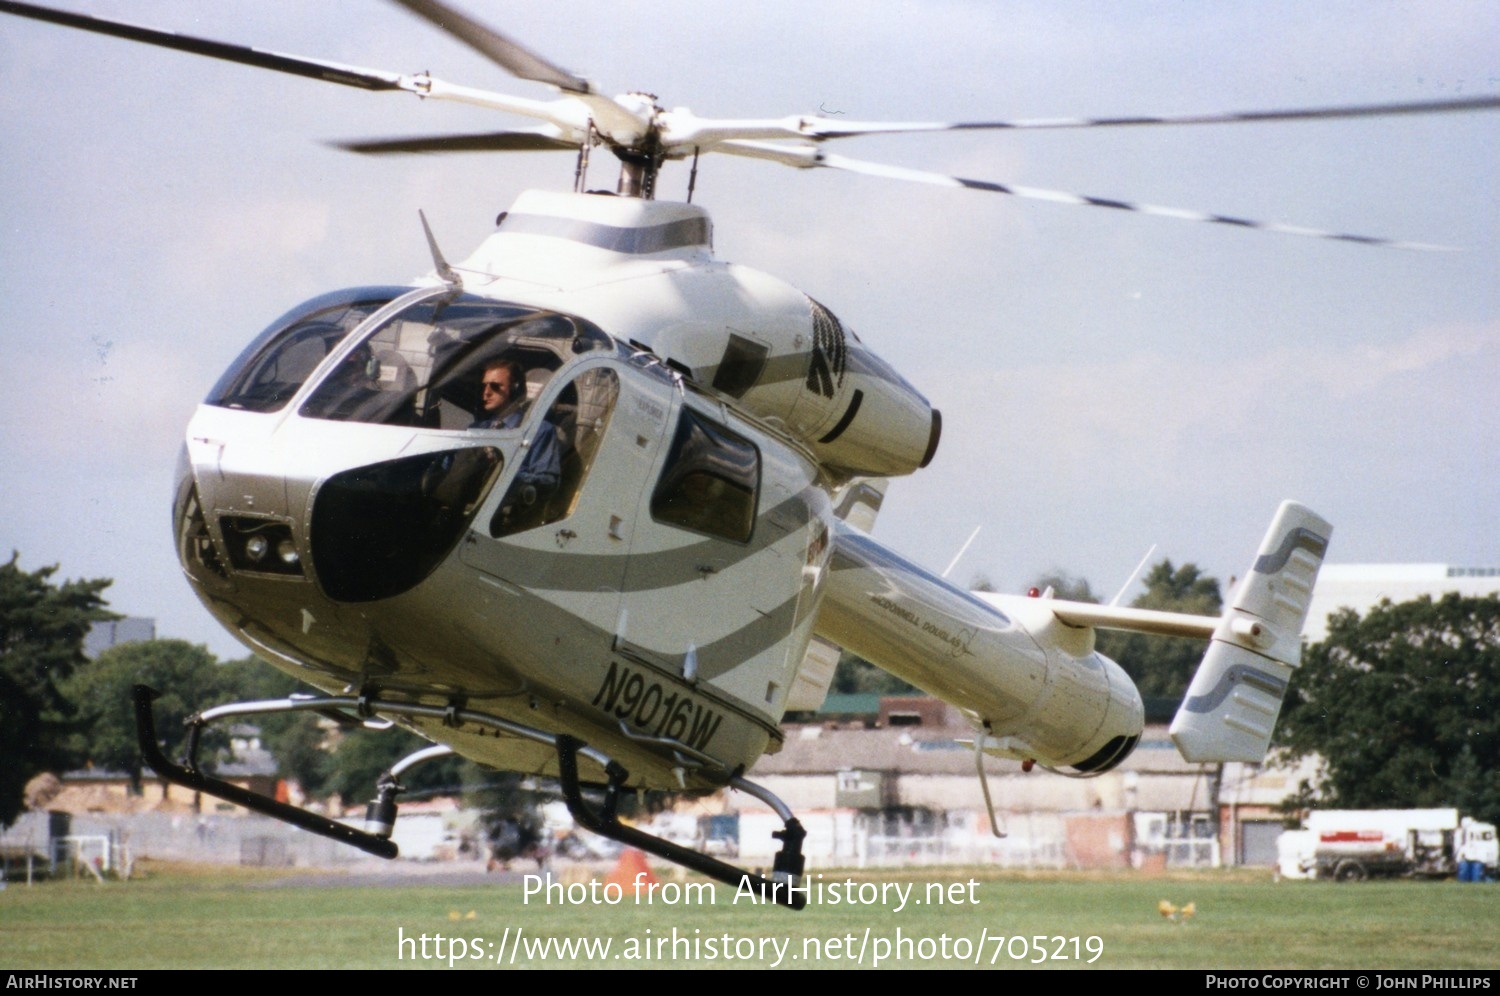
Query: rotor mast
point(638, 172)
point(640, 159)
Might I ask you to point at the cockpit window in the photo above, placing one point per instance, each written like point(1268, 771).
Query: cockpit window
point(426, 366)
point(275, 366)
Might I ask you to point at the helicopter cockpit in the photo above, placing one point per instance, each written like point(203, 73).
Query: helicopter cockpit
point(420, 367)
point(416, 359)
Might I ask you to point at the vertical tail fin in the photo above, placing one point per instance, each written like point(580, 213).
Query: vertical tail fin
point(1234, 699)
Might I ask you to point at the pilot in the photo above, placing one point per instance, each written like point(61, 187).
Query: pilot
point(502, 403)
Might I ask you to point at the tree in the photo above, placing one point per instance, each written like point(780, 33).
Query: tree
point(362, 756)
point(1401, 705)
point(189, 678)
point(1162, 666)
point(855, 675)
point(42, 626)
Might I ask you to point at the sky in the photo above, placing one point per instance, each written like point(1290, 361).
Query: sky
point(1109, 382)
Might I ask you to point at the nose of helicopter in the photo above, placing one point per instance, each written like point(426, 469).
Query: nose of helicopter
point(361, 533)
point(196, 550)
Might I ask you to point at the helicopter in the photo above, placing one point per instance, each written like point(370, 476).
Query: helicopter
point(643, 614)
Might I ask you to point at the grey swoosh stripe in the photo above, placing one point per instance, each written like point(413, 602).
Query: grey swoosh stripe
point(1308, 540)
point(558, 570)
point(714, 659)
point(866, 363)
point(1254, 677)
point(636, 241)
point(733, 649)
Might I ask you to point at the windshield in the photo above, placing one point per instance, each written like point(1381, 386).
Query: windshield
point(428, 365)
point(273, 367)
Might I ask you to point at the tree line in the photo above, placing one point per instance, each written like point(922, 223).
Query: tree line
point(1400, 703)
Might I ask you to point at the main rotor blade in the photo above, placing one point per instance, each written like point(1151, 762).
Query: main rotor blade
point(332, 72)
point(499, 141)
point(808, 158)
point(505, 52)
point(684, 129)
point(569, 115)
point(815, 128)
point(622, 124)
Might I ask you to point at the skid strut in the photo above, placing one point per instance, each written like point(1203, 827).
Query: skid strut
point(783, 887)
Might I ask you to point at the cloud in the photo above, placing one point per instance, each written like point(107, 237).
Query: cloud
point(1154, 418)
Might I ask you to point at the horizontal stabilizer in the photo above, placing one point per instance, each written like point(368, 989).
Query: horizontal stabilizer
point(1231, 706)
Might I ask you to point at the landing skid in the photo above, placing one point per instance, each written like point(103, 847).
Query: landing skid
point(188, 775)
point(784, 886)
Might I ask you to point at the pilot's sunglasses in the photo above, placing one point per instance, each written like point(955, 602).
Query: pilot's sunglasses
point(486, 385)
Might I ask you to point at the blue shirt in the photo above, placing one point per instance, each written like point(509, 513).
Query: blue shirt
point(542, 465)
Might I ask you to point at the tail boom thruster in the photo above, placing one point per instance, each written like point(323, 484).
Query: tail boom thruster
point(1036, 689)
point(1025, 670)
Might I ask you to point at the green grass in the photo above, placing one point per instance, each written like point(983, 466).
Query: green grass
point(178, 918)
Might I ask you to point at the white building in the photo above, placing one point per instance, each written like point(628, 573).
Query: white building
point(1361, 586)
point(103, 635)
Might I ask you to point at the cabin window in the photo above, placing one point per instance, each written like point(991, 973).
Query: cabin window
point(711, 481)
point(743, 362)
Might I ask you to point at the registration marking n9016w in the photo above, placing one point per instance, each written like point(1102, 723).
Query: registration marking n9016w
point(663, 711)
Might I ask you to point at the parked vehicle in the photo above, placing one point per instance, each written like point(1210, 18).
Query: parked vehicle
point(1350, 845)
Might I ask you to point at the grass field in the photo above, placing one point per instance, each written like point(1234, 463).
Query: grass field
point(231, 918)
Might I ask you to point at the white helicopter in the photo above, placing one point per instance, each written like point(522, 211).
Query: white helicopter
point(592, 504)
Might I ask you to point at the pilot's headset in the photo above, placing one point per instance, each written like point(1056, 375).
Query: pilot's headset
point(517, 382)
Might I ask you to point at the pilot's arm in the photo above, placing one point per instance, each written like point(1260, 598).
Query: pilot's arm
point(542, 467)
